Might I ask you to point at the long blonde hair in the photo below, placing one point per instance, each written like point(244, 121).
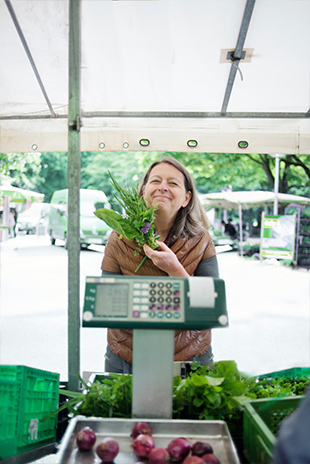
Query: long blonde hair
point(192, 219)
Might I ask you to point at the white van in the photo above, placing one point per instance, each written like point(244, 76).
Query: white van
point(92, 229)
point(33, 218)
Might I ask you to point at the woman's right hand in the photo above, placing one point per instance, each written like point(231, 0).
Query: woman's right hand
point(166, 260)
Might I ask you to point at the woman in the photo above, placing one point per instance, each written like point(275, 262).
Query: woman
point(185, 249)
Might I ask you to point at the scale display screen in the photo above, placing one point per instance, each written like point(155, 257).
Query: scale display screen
point(115, 298)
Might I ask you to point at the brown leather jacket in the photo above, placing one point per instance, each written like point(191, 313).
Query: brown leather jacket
point(120, 258)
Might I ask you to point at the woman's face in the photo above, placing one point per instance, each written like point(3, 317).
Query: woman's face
point(165, 189)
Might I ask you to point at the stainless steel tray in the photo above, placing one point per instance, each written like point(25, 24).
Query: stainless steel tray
point(214, 432)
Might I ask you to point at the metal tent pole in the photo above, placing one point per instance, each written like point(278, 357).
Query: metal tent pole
point(74, 176)
point(276, 182)
point(241, 229)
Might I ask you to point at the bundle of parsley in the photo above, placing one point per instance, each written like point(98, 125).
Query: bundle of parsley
point(137, 222)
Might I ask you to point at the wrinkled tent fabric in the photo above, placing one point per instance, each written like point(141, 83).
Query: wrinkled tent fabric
point(158, 70)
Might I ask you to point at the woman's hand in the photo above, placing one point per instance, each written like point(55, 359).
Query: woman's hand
point(165, 260)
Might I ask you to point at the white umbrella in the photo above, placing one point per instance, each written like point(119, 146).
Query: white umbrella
point(18, 195)
point(246, 200)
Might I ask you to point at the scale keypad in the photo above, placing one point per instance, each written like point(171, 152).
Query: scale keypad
point(157, 300)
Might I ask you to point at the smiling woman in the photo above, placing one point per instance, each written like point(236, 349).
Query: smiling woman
point(185, 249)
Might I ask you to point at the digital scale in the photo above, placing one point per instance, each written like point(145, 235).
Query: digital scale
point(159, 306)
point(155, 302)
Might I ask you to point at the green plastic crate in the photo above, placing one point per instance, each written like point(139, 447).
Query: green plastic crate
point(293, 373)
point(261, 421)
point(26, 395)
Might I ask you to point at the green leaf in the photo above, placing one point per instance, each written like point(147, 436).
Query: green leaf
point(215, 381)
point(198, 402)
point(198, 380)
point(117, 222)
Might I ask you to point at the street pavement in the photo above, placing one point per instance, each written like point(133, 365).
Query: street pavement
point(268, 307)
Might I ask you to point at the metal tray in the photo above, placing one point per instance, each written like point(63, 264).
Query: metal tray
point(215, 433)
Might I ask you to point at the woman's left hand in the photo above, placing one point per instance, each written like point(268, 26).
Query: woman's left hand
point(165, 260)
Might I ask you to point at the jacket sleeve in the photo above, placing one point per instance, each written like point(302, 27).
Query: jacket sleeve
point(109, 262)
point(208, 268)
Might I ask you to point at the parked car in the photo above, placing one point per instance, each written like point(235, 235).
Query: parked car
point(92, 229)
point(223, 241)
point(32, 218)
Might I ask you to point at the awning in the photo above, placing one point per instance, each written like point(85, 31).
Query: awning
point(222, 76)
point(247, 200)
point(18, 195)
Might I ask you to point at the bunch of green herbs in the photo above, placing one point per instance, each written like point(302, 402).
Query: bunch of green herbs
point(206, 393)
point(137, 222)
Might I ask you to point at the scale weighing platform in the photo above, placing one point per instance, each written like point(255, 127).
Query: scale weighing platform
point(159, 305)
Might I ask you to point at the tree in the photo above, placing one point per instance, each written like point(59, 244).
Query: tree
point(24, 168)
point(294, 177)
point(53, 174)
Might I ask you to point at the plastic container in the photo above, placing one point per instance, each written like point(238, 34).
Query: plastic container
point(294, 373)
point(261, 421)
point(26, 395)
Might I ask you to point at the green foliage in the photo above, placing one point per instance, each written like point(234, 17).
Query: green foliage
point(207, 393)
point(110, 398)
point(137, 223)
point(211, 394)
point(24, 168)
point(47, 172)
point(53, 175)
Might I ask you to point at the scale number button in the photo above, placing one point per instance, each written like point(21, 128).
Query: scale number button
point(160, 314)
point(136, 314)
point(176, 315)
point(144, 315)
point(168, 315)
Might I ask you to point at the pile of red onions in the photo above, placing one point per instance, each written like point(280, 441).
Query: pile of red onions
point(179, 450)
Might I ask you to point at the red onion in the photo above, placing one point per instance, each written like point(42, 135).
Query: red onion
point(179, 449)
point(86, 439)
point(107, 450)
point(143, 445)
point(159, 456)
point(210, 458)
point(199, 448)
point(193, 460)
point(141, 427)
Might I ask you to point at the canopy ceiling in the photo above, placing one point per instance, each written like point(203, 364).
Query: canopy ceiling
point(158, 70)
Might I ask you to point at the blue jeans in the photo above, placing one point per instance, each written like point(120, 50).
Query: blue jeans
point(114, 363)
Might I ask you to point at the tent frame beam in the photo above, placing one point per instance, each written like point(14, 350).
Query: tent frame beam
point(237, 54)
point(29, 55)
point(166, 114)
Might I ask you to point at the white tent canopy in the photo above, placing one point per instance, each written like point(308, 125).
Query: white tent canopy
point(247, 200)
point(218, 72)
